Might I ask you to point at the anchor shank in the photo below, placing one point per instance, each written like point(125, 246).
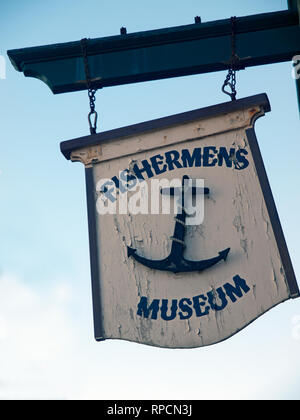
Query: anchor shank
point(178, 236)
point(178, 246)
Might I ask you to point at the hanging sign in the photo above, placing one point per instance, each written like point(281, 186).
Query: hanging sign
point(185, 242)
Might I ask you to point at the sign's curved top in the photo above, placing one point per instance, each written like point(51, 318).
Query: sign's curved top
point(259, 103)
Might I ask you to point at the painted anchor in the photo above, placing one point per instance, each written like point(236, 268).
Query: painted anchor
point(175, 261)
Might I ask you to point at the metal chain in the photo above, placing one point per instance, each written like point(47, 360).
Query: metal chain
point(91, 91)
point(231, 76)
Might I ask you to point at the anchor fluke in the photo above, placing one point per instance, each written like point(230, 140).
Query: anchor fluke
point(224, 254)
point(130, 251)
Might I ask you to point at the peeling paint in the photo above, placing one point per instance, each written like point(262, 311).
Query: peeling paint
point(244, 245)
point(266, 220)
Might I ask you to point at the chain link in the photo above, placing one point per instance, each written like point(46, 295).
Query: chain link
point(91, 91)
point(234, 60)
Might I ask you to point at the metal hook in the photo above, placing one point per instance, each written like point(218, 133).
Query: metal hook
point(233, 92)
point(93, 126)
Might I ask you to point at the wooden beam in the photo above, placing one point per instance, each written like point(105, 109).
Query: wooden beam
point(192, 49)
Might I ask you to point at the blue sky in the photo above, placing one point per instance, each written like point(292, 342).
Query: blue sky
point(46, 331)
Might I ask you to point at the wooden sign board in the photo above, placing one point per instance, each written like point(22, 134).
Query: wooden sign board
point(158, 280)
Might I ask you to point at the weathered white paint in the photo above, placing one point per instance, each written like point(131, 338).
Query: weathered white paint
point(235, 216)
point(169, 136)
